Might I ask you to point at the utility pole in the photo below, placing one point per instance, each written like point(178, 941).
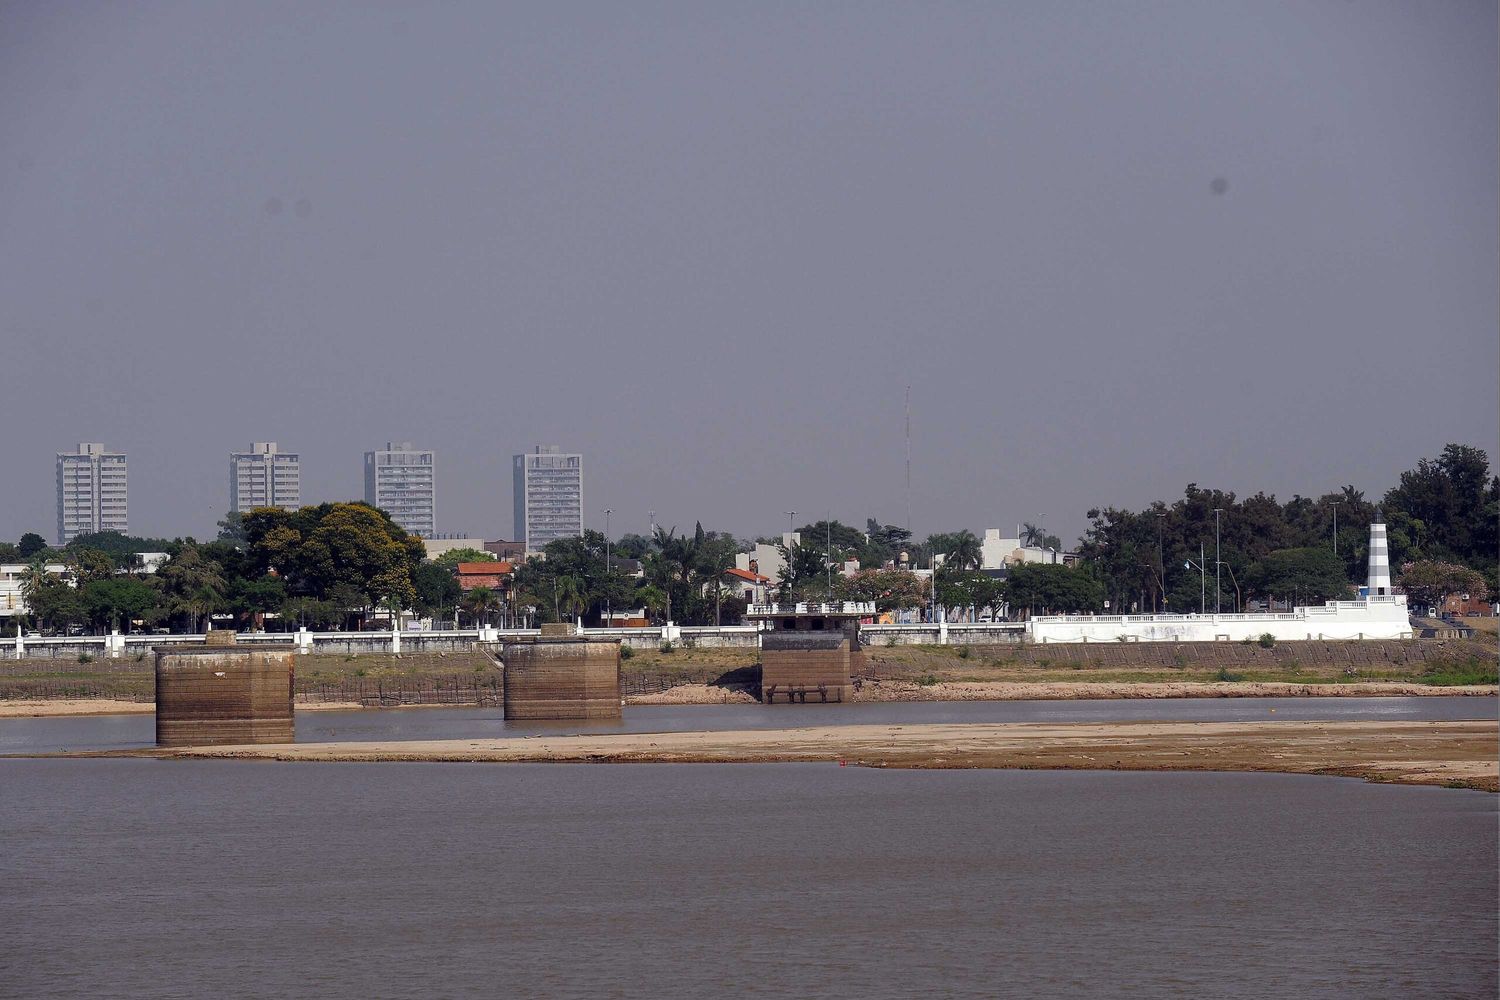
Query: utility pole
point(1217, 563)
point(1202, 581)
point(1335, 505)
point(609, 619)
point(828, 524)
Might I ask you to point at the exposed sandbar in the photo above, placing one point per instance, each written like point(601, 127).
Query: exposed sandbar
point(892, 690)
point(1461, 754)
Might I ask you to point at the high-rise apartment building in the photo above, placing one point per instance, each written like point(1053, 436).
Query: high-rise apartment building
point(90, 492)
point(399, 480)
point(549, 496)
point(264, 477)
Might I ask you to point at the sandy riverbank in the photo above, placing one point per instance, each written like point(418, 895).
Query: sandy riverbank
point(885, 691)
point(1457, 754)
point(39, 708)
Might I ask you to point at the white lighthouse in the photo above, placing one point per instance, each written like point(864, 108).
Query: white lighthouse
point(1380, 562)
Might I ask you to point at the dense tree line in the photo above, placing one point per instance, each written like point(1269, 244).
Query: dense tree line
point(1444, 510)
point(327, 566)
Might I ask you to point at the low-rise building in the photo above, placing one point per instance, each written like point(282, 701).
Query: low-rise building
point(448, 543)
point(510, 551)
point(767, 560)
point(997, 552)
point(13, 587)
point(751, 587)
point(493, 575)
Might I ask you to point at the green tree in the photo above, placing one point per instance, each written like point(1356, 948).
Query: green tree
point(715, 557)
point(803, 569)
point(436, 587)
point(968, 590)
point(88, 565)
point(1448, 509)
point(450, 559)
point(1303, 575)
point(1052, 588)
point(232, 528)
point(30, 544)
point(117, 602)
point(964, 551)
point(890, 590)
point(1429, 582)
point(391, 589)
point(317, 549)
point(479, 602)
point(251, 599)
point(194, 585)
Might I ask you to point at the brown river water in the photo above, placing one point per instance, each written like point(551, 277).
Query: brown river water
point(114, 732)
point(146, 878)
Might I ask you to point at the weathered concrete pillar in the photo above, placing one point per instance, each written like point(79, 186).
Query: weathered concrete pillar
point(223, 694)
point(562, 677)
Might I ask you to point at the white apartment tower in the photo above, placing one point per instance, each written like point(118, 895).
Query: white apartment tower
point(399, 480)
point(90, 492)
point(548, 496)
point(264, 477)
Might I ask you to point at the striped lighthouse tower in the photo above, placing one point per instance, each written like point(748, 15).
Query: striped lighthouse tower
point(1380, 562)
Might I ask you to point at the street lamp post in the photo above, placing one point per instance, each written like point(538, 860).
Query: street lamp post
point(609, 618)
point(1217, 562)
point(1335, 505)
point(1202, 567)
point(1161, 566)
point(1236, 583)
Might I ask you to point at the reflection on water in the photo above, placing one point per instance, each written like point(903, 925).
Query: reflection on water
point(130, 878)
point(123, 731)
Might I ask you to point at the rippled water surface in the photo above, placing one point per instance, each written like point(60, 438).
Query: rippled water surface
point(143, 878)
point(122, 731)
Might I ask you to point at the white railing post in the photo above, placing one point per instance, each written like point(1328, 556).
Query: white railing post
point(303, 640)
point(20, 644)
point(396, 639)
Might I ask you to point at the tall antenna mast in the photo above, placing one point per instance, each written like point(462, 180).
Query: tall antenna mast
point(908, 458)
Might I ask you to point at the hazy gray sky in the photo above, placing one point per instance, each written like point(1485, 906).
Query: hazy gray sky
point(1112, 247)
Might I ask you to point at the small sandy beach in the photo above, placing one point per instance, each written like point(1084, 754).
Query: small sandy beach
point(886, 691)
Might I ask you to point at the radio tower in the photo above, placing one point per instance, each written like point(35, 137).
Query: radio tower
point(908, 458)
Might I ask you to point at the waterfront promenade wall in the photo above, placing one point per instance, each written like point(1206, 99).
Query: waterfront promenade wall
point(1375, 618)
point(1304, 624)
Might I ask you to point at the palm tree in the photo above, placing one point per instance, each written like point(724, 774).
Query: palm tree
point(653, 597)
point(965, 551)
point(568, 595)
point(33, 582)
point(1032, 535)
point(195, 582)
point(479, 602)
point(714, 560)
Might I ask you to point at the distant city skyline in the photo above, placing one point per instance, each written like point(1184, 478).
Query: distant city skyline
point(1112, 249)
